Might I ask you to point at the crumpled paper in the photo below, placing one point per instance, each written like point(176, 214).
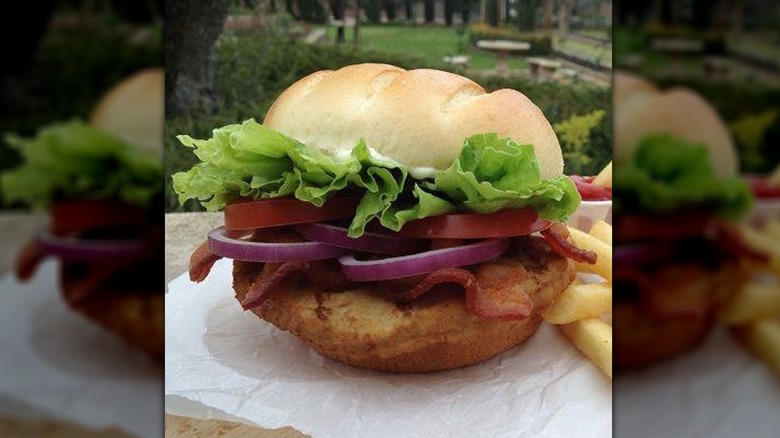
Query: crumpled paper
point(717, 390)
point(56, 361)
point(224, 363)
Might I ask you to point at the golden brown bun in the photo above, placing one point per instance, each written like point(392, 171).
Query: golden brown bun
point(133, 110)
point(639, 111)
point(417, 117)
point(361, 327)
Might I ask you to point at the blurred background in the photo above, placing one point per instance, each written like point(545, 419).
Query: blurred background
point(61, 57)
point(228, 61)
point(727, 50)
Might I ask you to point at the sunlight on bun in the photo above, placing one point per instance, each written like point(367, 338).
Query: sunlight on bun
point(679, 111)
point(133, 110)
point(331, 110)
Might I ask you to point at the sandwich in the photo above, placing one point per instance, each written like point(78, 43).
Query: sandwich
point(402, 221)
point(101, 183)
point(677, 197)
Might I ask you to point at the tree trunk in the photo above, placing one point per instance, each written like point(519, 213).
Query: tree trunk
point(191, 29)
point(491, 12)
point(449, 9)
point(526, 15)
point(428, 11)
point(549, 7)
point(337, 8)
point(564, 15)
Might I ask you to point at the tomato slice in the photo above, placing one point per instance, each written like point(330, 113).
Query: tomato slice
point(248, 215)
point(72, 216)
point(761, 188)
point(589, 191)
point(505, 223)
point(633, 227)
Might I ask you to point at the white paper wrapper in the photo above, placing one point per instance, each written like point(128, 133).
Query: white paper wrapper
point(227, 364)
point(58, 362)
point(718, 390)
point(589, 212)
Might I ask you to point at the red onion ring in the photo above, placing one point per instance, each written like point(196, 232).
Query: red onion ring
point(72, 248)
point(223, 245)
point(641, 253)
point(334, 235)
point(416, 264)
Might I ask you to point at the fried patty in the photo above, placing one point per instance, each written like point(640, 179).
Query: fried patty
point(360, 326)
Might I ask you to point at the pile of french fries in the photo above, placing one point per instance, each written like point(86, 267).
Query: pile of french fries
point(753, 314)
point(583, 311)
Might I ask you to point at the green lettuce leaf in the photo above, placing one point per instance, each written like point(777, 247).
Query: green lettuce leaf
point(252, 161)
point(71, 160)
point(666, 174)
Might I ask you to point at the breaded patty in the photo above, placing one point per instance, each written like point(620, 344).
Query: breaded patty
point(361, 327)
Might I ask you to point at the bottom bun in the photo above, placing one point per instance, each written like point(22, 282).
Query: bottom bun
point(642, 339)
point(137, 315)
point(361, 327)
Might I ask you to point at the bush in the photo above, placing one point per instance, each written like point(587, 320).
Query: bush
point(540, 44)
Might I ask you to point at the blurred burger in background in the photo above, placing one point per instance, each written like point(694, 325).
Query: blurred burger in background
point(677, 194)
point(101, 182)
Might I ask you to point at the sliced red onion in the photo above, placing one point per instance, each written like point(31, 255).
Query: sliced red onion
point(416, 264)
point(72, 248)
point(223, 245)
point(334, 235)
point(641, 253)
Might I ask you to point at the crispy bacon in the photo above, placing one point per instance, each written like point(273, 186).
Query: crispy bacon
point(76, 289)
point(730, 239)
point(201, 262)
point(557, 237)
point(275, 277)
point(494, 291)
point(28, 260)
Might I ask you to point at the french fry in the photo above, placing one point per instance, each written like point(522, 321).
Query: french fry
point(593, 337)
point(759, 241)
point(763, 339)
point(602, 231)
point(772, 229)
point(604, 178)
point(603, 265)
point(774, 178)
point(580, 302)
point(755, 301)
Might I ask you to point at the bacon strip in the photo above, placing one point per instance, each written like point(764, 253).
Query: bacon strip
point(28, 260)
point(730, 238)
point(75, 291)
point(278, 276)
point(487, 292)
point(201, 262)
point(557, 237)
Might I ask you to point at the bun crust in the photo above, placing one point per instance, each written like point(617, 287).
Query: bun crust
point(134, 111)
point(639, 110)
point(361, 327)
point(417, 117)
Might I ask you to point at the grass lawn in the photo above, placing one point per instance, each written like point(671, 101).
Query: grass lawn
point(431, 44)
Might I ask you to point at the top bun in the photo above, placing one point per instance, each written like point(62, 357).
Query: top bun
point(133, 110)
point(417, 117)
point(680, 112)
point(625, 85)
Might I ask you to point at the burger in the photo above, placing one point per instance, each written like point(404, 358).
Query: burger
point(402, 221)
point(676, 194)
point(101, 183)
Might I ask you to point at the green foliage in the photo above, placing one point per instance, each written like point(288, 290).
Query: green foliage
point(749, 131)
point(541, 44)
point(574, 136)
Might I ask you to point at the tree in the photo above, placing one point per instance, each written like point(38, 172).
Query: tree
point(429, 11)
point(392, 8)
point(449, 9)
point(564, 15)
point(491, 12)
point(548, 7)
point(526, 14)
point(337, 8)
point(191, 29)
